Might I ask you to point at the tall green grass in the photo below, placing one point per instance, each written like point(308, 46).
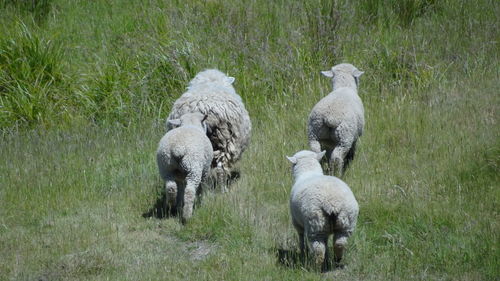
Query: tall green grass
point(31, 78)
point(129, 58)
point(85, 87)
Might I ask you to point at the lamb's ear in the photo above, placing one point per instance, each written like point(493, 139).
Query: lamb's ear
point(327, 73)
point(320, 155)
point(357, 73)
point(230, 80)
point(292, 159)
point(174, 122)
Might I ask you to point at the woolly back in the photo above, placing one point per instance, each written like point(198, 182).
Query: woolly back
point(221, 107)
point(211, 76)
point(213, 89)
point(228, 122)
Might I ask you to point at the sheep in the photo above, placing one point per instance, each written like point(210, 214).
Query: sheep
point(211, 92)
point(320, 205)
point(183, 156)
point(336, 121)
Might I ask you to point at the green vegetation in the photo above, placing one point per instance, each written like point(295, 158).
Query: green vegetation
point(85, 87)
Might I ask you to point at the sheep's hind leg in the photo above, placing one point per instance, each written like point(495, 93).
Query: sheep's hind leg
point(192, 184)
point(317, 245)
point(339, 247)
point(336, 161)
point(301, 243)
point(170, 193)
point(300, 232)
point(315, 145)
point(222, 179)
point(314, 133)
point(344, 142)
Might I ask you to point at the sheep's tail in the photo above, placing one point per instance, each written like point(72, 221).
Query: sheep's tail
point(336, 218)
point(350, 156)
point(330, 211)
point(332, 217)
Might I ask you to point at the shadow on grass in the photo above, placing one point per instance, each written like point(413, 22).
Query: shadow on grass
point(292, 258)
point(160, 210)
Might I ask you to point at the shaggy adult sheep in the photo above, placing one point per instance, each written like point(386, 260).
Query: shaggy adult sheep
point(211, 93)
point(320, 205)
point(336, 121)
point(184, 155)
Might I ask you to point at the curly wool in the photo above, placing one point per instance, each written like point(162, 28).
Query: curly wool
point(320, 206)
point(336, 121)
point(228, 124)
point(212, 76)
point(184, 155)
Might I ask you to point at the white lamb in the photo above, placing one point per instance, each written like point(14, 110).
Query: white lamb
point(184, 155)
point(211, 93)
point(320, 205)
point(336, 121)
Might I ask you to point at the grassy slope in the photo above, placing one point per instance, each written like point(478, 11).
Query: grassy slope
point(72, 194)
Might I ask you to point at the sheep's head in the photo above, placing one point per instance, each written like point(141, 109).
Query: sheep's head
point(344, 75)
point(306, 161)
point(211, 76)
point(192, 119)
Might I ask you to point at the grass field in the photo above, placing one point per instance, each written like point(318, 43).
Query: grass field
point(85, 87)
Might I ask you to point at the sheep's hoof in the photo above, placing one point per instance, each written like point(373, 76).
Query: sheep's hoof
point(340, 266)
point(185, 219)
point(234, 176)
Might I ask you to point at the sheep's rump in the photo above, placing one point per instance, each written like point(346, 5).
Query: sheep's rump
point(228, 122)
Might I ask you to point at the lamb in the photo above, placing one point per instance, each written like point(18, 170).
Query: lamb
point(320, 205)
point(336, 121)
point(184, 155)
point(211, 92)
